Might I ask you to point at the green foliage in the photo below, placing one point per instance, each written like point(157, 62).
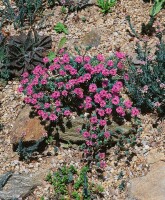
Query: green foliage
point(26, 152)
point(106, 5)
point(24, 52)
point(61, 28)
point(66, 176)
point(146, 82)
point(158, 5)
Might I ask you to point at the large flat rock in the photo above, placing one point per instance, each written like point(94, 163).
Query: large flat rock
point(149, 187)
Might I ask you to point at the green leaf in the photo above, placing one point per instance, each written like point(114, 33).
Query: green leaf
point(61, 43)
point(51, 55)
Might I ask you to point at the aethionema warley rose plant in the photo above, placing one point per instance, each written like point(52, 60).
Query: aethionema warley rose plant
point(90, 87)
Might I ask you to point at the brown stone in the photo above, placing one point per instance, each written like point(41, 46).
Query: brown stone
point(31, 128)
point(149, 187)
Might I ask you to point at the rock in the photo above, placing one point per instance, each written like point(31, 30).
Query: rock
point(33, 130)
point(30, 128)
point(92, 38)
point(149, 187)
point(155, 156)
point(21, 185)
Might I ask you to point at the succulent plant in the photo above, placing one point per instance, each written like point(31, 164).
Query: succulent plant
point(26, 51)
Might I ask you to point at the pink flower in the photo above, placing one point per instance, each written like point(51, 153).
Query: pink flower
point(145, 89)
point(101, 155)
point(120, 65)
point(110, 63)
point(120, 111)
point(89, 143)
point(101, 112)
point(115, 89)
point(102, 103)
point(55, 95)
point(64, 93)
point(56, 60)
point(67, 113)
point(134, 112)
point(44, 116)
point(45, 60)
point(87, 76)
point(113, 72)
point(94, 136)
point(93, 120)
point(87, 58)
point(20, 89)
point(62, 73)
point(157, 104)
point(57, 103)
point(79, 59)
point(120, 55)
point(92, 87)
point(105, 72)
point(108, 111)
point(86, 134)
point(43, 81)
point(107, 134)
point(104, 83)
point(97, 98)
point(45, 134)
point(88, 99)
point(102, 164)
point(100, 57)
point(52, 117)
point(103, 122)
point(128, 104)
point(108, 96)
point(126, 77)
point(51, 68)
point(115, 100)
point(88, 106)
point(27, 100)
point(46, 105)
point(25, 75)
point(103, 93)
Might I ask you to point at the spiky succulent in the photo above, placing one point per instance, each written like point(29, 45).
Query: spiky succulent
point(4, 72)
point(26, 51)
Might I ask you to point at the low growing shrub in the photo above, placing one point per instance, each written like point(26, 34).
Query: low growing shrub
point(84, 86)
point(146, 84)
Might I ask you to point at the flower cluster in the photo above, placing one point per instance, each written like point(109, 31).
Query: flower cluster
point(83, 85)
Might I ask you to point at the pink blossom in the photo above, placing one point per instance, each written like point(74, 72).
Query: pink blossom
point(120, 111)
point(57, 103)
point(64, 93)
point(27, 100)
point(44, 116)
point(68, 67)
point(108, 96)
point(115, 89)
point(97, 98)
point(93, 120)
point(43, 81)
point(100, 57)
point(56, 60)
point(120, 65)
point(101, 112)
point(67, 112)
point(103, 93)
point(24, 81)
point(57, 66)
point(126, 77)
point(128, 104)
point(157, 104)
point(139, 70)
point(145, 89)
point(104, 83)
point(87, 76)
point(110, 63)
point(92, 87)
point(87, 58)
point(33, 101)
point(88, 99)
point(88, 67)
point(52, 117)
point(102, 103)
point(55, 94)
point(88, 106)
point(120, 55)
point(45, 60)
point(68, 86)
point(79, 59)
point(62, 73)
point(102, 122)
point(134, 112)
point(51, 67)
point(86, 134)
point(102, 164)
point(108, 111)
point(89, 143)
point(115, 100)
point(105, 72)
point(25, 75)
point(46, 105)
point(101, 155)
point(113, 72)
point(20, 89)
point(73, 71)
point(94, 136)
point(65, 58)
point(107, 134)
point(45, 134)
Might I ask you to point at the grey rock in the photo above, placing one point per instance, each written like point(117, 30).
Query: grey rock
point(149, 187)
point(21, 185)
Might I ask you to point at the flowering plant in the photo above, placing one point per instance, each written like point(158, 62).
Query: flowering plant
point(90, 87)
